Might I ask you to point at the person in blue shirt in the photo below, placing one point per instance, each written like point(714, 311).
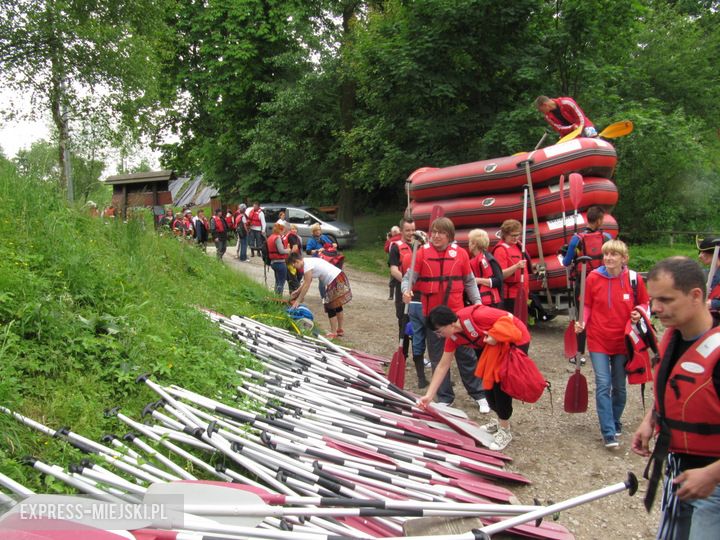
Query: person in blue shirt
point(317, 242)
point(589, 241)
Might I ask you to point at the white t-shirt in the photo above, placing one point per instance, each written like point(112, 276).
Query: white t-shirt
point(321, 269)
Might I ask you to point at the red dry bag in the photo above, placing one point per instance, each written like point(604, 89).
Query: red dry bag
point(520, 378)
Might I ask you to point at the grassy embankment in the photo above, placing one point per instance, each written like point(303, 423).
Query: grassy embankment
point(368, 255)
point(86, 307)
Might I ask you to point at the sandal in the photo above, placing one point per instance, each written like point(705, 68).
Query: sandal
point(340, 332)
point(331, 335)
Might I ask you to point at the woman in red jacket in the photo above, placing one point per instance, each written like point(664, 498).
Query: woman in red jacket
point(613, 294)
point(509, 253)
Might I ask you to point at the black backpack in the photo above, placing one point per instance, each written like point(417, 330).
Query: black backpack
point(264, 252)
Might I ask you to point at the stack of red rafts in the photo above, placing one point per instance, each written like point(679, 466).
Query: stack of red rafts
point(485, 193)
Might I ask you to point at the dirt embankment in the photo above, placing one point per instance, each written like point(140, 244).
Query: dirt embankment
point(561, 453)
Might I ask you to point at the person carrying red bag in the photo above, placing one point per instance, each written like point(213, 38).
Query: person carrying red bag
point(479, 327)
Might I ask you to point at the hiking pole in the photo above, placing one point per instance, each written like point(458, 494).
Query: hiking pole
point(485, 533)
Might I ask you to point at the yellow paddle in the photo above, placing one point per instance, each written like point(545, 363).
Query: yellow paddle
point(570, 136)
point(618, 129)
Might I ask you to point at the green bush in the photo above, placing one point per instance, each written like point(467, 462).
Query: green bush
point(86, 306)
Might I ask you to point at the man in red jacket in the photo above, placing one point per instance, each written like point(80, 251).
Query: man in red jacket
point(565, 116)
point(441, 275)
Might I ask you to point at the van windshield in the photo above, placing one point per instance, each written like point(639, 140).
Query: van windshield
point(320, 214)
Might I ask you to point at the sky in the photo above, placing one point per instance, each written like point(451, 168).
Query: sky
point(20, 135)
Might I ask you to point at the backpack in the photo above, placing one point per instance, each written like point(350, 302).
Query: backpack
point(520, 378)
point(332, 256)
point(264, 251)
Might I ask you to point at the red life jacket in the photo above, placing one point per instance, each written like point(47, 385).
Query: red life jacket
point(641, 341)
point(715, 293)
point(514, 254)
point(219, 224)
point(405, 252)
point(273, 253)
point(440, 275)
point(686, 402)
point(254, 218)
point(473, 336)
point(590, 245)
point(229, 221)
point(481, 267)
point(567, 115)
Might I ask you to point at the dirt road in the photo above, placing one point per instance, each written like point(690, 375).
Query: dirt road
point(561, 453)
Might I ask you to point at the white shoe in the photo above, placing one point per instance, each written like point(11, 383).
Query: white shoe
point(502, 439)
point(427, 363)
point(483, 406)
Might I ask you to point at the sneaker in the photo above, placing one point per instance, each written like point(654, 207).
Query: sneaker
point(427, 362)
point(611, 442)
point(483, 406)
point(490, 427)
point(502, 439)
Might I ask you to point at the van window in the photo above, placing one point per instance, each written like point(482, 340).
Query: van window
point(297, 216)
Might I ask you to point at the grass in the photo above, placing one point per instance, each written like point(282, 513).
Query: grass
point(368, 254)
point(87, 306)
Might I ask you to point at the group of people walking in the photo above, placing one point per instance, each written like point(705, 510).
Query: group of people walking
point(464, 304)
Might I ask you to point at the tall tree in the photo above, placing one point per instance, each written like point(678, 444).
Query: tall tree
point(82, 59)
point(226, 58)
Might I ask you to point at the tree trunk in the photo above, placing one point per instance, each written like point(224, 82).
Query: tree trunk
point(58, 107)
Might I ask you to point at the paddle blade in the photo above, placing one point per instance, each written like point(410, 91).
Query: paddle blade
point(570, 341)
point(521, 304)
point(618, 129)
point(570, 136)
point(437, 212)
point(576, 189)
point(396, 373)
point(576, 393)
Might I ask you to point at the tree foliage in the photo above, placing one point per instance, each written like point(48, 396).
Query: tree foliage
point(83, 60)
point(40, 162)
point(338, 101)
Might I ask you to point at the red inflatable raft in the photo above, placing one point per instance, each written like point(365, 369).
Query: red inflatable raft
point(590, 157)
point(551, 233)
point(555, 271)
point(494, 209)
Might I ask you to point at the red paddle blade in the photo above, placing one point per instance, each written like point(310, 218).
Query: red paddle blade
point(576, 393)
point(576, 189)
point(521, 304)
point(562, 193)
point(396, 373)
point(570, 341)
point(437, 212)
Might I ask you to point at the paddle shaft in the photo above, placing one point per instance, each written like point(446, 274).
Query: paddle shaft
point(538, 239)
point(712, 271)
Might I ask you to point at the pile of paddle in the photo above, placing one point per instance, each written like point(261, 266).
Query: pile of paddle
point(330, 449)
